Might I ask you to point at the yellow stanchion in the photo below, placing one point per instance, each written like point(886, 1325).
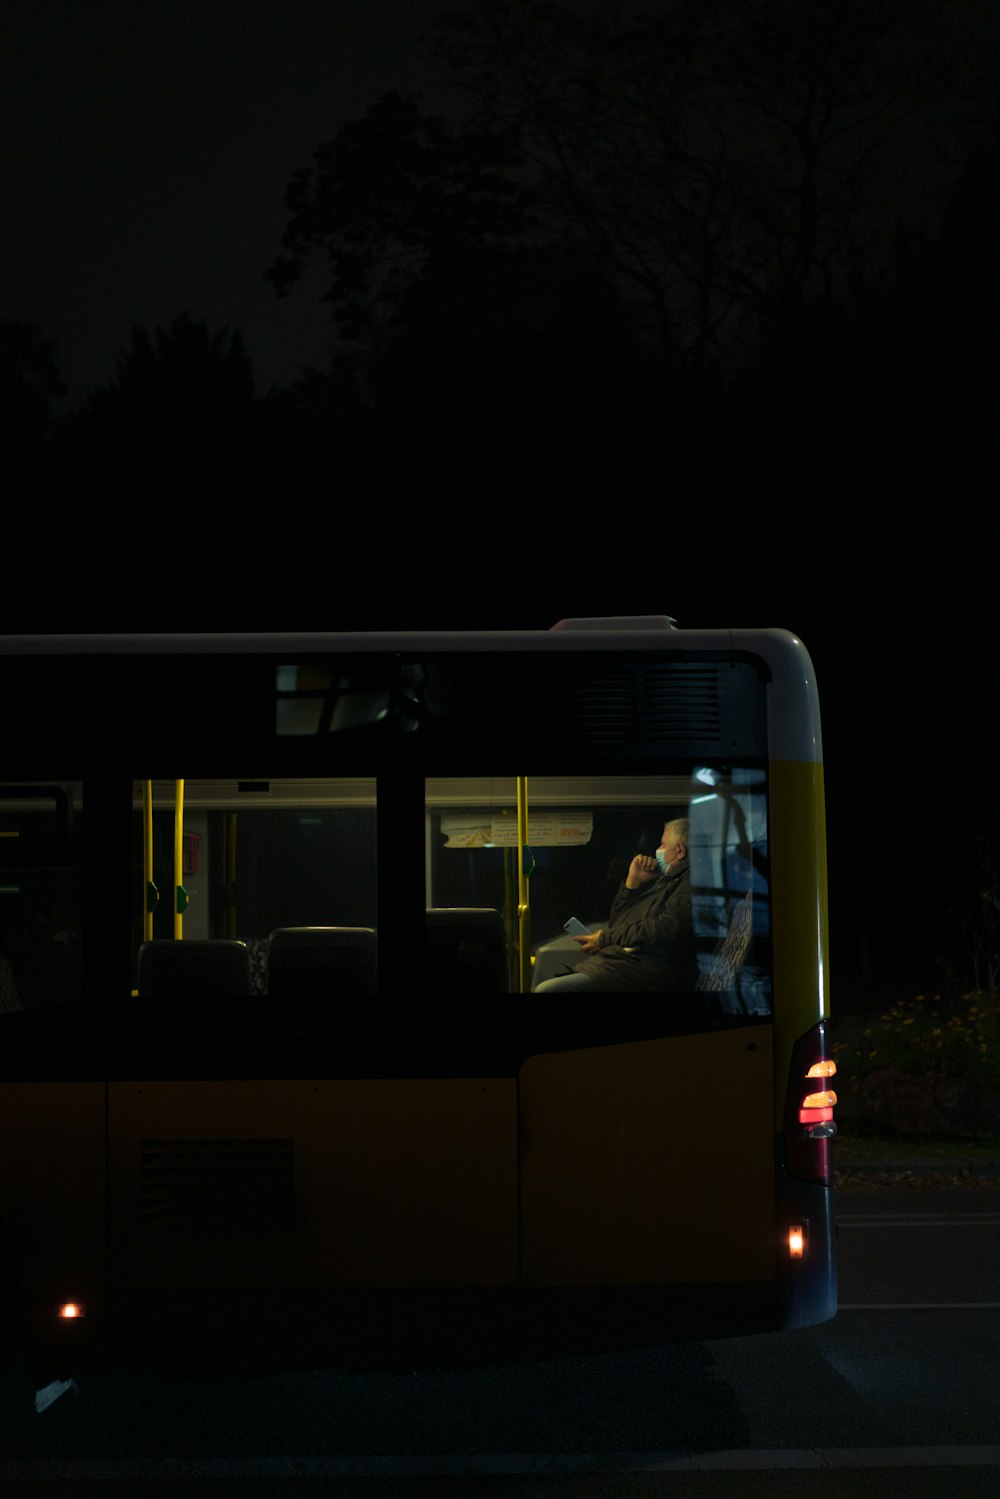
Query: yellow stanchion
point(150, 894)
point(181, 895)
point(523, 897)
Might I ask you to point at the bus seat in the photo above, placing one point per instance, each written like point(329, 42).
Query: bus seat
point(310, 961)
point(466, 950)
point(257, 948)
point(212, 969)
point(723, 965)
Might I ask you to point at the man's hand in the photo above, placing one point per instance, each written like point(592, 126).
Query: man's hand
point(590, 943)
point(641, 870)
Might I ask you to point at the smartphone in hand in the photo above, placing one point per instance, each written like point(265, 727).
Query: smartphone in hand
point(576, 928)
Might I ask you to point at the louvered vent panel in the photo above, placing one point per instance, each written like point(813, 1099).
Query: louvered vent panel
point(217, 1186)
point(602, 707)
point(681, 705)
point(641, 704)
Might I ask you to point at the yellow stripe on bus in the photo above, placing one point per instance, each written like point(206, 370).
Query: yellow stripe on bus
point(799, 915)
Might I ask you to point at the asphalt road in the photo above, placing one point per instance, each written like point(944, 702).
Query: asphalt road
point(900, 1389)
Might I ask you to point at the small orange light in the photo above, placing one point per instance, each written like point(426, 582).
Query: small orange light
point(822, 1069)
point(820, 1100)
point(796, 1241)
point(71, 1309)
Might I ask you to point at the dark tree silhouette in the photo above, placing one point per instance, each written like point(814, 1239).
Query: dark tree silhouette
point(31, 387)
point(484, 348)
point(727, 159)
point(178, 416)
point(661, 242)
point(186, 366)
point(885, 387)
point(316, 437)
point(395, 198)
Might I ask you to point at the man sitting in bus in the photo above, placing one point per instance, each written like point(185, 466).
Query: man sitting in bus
point(648, 943)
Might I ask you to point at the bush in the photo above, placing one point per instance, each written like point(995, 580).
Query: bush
point(927, 1066)
point(928, 1037)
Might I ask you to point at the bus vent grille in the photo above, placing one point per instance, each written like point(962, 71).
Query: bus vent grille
point(217, 1186)
point(642, 703)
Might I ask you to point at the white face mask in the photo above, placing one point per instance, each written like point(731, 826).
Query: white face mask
point(663, 861)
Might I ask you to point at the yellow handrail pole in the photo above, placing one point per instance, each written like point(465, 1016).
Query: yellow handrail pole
point(147, 861)
point(180, 894)
point(523, 902)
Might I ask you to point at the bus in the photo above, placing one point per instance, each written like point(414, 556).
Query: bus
point(274, 1059)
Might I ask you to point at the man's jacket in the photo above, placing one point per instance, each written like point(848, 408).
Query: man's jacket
point(648, 943)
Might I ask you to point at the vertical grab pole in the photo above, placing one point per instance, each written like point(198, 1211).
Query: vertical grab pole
point(523, 902)
point(148, 888)
point(180, 894)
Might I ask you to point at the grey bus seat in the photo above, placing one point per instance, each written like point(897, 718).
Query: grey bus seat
point(317, 960)
point(195, 968)
point(466, 950)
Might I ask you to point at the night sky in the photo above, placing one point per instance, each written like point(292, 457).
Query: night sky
point(146, 149)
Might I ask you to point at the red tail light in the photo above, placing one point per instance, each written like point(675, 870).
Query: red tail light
point(809, 1104)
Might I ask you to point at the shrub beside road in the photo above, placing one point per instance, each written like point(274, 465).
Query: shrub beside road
point(919, 1093)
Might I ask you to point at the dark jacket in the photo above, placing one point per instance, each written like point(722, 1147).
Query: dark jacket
point(648, 943)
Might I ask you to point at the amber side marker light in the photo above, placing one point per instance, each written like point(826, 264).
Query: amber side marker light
point(69, 1311)
point(797, 1241)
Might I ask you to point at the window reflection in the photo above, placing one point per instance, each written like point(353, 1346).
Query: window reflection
point(357, 695)
point(729, 879)
point(41, 894)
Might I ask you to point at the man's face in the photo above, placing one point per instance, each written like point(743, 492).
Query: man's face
point(672, 849)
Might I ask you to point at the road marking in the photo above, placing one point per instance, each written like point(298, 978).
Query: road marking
point(487, 1464)
point(917, 1220)
point(918, 1306)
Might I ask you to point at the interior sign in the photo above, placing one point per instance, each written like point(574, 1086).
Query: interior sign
point(499, 829)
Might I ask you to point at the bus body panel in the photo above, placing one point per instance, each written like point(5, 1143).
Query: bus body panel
point(347, 1182)
point(807, 1287)
point(649, 1162)
point(798, 906)
point(52, 1194)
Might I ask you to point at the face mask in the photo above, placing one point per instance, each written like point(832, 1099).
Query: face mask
point(663, 861)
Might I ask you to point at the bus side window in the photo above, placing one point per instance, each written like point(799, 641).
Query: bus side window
point(10, 999)
point(40, 953)
point(261, 857)
point(41, 894)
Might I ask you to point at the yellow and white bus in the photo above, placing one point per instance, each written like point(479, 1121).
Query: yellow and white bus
point(273, 910)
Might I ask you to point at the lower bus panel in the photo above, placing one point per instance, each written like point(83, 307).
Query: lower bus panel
point(808, 1285)
point(213, 1335)
point(603, 1198)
